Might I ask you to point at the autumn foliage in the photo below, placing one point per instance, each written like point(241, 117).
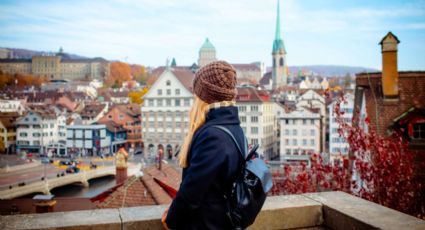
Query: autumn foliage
point(379, 169)
point(119, 73)
point(136, 96)
point(20, 80)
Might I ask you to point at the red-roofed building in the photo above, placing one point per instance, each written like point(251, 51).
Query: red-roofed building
point(257, 116)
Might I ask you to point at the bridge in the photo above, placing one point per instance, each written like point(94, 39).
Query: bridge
point(47, 185)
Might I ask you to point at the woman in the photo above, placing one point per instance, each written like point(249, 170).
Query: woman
point(209, 158)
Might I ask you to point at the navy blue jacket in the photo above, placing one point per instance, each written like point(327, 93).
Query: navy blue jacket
point(213, 165)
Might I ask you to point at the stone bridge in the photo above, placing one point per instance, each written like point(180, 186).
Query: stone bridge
point(45, 186)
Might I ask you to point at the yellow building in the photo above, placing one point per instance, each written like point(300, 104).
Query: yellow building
point(58, 67)
point(7, 132)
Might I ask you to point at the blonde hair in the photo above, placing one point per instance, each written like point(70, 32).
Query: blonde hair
point(197, 119)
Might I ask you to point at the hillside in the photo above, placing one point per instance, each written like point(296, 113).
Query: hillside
point(329, 70)
point(26, 54)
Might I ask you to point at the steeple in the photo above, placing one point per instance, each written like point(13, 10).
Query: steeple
point(278, 42)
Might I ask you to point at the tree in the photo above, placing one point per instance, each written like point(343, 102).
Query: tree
point(119, 72)
point(383, 167)
point(139, 73)
point(136, 96)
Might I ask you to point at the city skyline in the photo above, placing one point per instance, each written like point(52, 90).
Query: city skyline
point(148, 32)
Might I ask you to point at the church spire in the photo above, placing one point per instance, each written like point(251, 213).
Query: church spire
point(278, 42)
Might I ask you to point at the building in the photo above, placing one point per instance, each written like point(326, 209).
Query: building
point(207, 53)
point(248, 72)
point(11, 105)
point(58, 67)
point(8, 132)
point(280, 67)
point(257, 117)
point(117, 134)
point(165, 112)
point(92, 113)
point(87, 140)
point(315, 84)
point(393, 100)
point(300, 134)
point(37, 131)
point(128, 116)
point(337, 144)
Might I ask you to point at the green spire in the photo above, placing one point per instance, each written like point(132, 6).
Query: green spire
point(278, 42)
point(207, 45)
point(173, 63)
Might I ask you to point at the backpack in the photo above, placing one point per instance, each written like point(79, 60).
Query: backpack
point(249, 191)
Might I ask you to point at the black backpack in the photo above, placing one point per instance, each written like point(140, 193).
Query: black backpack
point(249, 191)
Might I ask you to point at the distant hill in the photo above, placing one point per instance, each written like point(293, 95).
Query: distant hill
point(27, 54)
point(329, 70)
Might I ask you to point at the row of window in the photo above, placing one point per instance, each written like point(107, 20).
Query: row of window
point(304, 132)
point(23, 134)
point(304, 142)
point(168, 102)
point(243, 108)
point(338, 140)
point(299, 121)
point(298, 151)
point(339, 150)
point(253, 119)
point(168, 92)
point(167, 124)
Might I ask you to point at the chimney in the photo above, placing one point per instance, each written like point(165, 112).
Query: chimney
point(389, 65)
point(44, 203)
point(121, 166)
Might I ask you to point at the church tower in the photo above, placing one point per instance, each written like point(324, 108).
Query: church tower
point(279, 72)
point(206, 53)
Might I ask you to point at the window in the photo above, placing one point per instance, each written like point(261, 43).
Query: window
point(168, 102)
point(254, 130)
point(312, 142)
point(159, 92)
point(288, 152)
point(168, 91)
point(294, 142)
point(177, 101)
point(254, 141)
point(177, 91)
point(419, 131)
point(287, 121)
point(150, 102)
point(52, 125)
point(281, 61)
point(23, 134)
point(304, 142)
point(312, 132)
point(242, 108)
point(36, 135)
point(304, 121)
point(168, 83)
point(294, 132)
point(121, 117)
point(159, 102)
point(186, 102)
point(254, 119)
point(34, 119)
point(312, 121)
point(242, 118)
point(36, 126)
point(286, 131)
point(286, 141)
point(254, 108)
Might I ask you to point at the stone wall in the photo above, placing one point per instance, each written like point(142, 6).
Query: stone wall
point(335, 210)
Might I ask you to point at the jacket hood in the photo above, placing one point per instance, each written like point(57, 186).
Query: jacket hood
point(223, 116)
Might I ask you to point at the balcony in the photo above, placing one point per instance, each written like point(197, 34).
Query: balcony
point(327, 210)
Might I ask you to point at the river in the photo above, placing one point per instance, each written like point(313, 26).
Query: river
point(96, 186)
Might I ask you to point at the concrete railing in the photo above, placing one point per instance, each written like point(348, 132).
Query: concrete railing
point(334, 210)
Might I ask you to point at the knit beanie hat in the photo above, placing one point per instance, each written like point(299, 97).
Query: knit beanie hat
point(215, 82)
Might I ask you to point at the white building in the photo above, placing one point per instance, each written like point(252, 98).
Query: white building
point(257, 117)
point(300, 134)
point(87, 140)
point(337, 144)
point(7, 105)
point(36, 131)
point(315, 84)
point(165, 112)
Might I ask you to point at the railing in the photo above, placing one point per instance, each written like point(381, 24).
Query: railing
point(334, 210)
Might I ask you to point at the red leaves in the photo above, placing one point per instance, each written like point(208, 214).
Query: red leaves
point(382, 166)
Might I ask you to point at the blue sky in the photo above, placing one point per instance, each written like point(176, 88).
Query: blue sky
point(338, 32)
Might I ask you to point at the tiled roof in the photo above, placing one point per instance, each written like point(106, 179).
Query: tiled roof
point(246, 67)
point(184, 74)
point(251, 94)
point(144, 190)
point(92, 110)
point(111, 126)
point(265, 80)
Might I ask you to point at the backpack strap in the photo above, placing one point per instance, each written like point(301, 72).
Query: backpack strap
point(226, 130)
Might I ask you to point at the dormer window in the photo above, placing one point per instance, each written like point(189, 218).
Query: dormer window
point(168, 83)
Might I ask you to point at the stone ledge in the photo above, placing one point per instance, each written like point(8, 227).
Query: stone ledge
point(344, 211)
point(336, 210)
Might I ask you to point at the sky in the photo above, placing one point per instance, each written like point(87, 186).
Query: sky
point(148, 32)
